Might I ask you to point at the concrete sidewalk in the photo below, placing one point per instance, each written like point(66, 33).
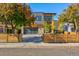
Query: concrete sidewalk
point(39, 49)
point(37, 45)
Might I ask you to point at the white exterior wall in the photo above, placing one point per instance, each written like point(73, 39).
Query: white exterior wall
point(22, 30)
point(40, 30)
point(69, 26)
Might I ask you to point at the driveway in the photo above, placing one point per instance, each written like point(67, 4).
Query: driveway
point(32, 38)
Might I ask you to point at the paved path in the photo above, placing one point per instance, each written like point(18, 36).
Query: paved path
point(42, 49)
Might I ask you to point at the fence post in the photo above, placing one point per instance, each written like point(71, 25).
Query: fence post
point(77, 36)
point(55, 38)
point(67, 37)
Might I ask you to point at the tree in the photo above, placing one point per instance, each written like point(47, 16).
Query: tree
point(14, 15)
point(47, 27)
point(71, 14)
point(28, 15)
point(20, 19)
point(6, 10)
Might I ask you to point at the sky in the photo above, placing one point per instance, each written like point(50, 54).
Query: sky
point(49, 8)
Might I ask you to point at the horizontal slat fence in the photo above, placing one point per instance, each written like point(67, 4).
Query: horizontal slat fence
point(61, 38)
point(8, 38)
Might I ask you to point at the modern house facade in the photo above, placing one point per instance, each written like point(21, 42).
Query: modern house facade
point(40, 19)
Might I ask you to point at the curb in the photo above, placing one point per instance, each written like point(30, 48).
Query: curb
point(37, 45)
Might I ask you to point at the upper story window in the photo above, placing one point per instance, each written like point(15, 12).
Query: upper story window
point(38, 18)
point(48, 18)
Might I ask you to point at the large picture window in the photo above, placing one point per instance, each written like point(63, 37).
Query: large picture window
point(48, 18)
point(38, 18)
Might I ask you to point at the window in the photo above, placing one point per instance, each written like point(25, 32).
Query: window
point(38, 18)
point(48, 18)
point(1, 30)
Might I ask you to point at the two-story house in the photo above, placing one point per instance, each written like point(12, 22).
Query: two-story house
point(40, 19)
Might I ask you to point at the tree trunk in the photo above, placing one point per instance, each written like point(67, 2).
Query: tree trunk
point(6, 32)
point(19, 35)
point(6, 27)
point(12, 29)
point(75, 25)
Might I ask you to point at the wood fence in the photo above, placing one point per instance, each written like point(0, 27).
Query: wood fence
point(61, 38)
point(8, 38)
point(55, 38)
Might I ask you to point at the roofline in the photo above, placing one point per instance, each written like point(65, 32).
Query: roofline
point(50, 13)
point(45, 13)
point(37, 12)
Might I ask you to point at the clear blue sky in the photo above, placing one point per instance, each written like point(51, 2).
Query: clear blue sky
point(49, 7)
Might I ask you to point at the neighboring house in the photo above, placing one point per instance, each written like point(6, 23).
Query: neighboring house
point(66, 27)
point(69, 27)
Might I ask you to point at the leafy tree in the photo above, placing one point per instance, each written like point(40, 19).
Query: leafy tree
point(28, 15)
point(71, 14)
point(19, 19)
point(6, 10)
point(47, 27)
point(14, 14)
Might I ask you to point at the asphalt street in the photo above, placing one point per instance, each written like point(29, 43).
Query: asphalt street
point(53, 51)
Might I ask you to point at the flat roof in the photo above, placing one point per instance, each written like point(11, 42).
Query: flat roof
point(44, 13)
